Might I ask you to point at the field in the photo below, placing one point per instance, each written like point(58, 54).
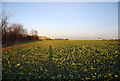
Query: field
point(63, 59)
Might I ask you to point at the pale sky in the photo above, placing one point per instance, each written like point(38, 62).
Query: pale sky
point(72, 20)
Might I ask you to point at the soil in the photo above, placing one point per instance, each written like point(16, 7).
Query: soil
point(14, 46)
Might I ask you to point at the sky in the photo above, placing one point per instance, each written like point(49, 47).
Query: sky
point(72, 20)
point(60, 0)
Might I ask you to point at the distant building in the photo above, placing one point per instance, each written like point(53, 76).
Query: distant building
point(100, 39)
point(24, 35)
point(43, 38)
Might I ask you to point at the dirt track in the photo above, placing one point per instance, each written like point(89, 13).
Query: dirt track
point(14, 46)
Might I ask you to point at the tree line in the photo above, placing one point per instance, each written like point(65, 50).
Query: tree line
point(14, 33)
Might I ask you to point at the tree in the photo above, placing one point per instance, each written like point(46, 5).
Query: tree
point(25, 32)
point(16, 28)
point(3, 22)
point(34, 32)
point(4, 25)
point(13, 33)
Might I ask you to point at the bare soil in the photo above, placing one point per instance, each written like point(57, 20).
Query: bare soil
point(14, 46)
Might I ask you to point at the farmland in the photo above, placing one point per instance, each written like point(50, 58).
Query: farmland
point(63, 59)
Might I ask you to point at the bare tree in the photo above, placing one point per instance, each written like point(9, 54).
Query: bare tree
point(4, 25)
point(25, 32)
point(3, 22)
point(13, 33)
point(34, 32)
point(16, 28)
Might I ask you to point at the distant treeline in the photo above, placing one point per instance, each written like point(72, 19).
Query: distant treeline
point(14, 33)
point(61, 39)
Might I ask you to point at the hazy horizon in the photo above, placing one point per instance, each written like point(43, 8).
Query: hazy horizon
point(72, 20)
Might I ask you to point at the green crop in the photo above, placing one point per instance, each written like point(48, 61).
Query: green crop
point(63, 59)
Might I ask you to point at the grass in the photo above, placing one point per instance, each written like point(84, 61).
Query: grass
point(63, 59)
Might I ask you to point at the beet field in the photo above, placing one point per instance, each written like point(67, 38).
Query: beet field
point(63, 59)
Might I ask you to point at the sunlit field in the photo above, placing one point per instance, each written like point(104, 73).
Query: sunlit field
point(63, 59)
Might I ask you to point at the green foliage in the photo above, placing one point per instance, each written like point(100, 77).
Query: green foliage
point(63, 59)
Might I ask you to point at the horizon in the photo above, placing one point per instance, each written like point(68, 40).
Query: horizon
point(71, 20)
